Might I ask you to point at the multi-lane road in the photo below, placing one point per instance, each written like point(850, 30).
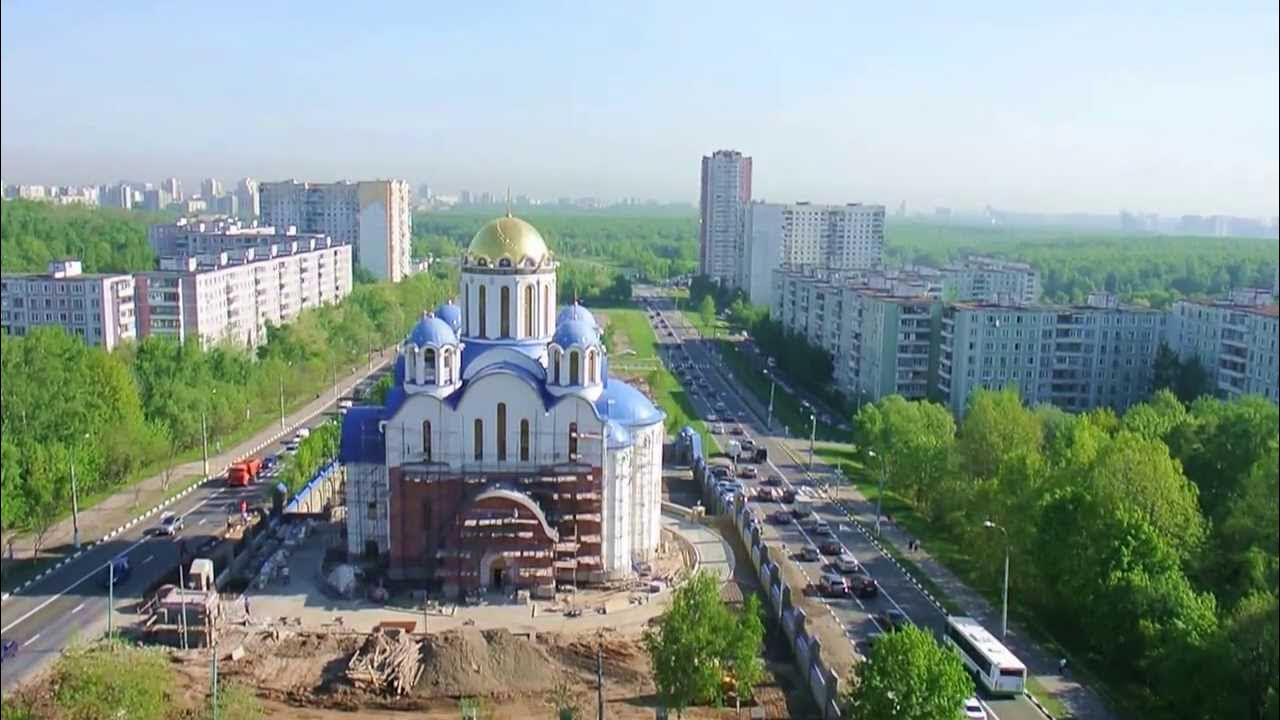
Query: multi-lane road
point(71, 604)
point(714, 393)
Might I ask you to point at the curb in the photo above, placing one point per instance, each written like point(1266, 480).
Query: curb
point(160, 506)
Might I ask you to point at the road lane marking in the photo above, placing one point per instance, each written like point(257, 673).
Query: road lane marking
point(77, 608)
point(149, 559)
point(31, 640)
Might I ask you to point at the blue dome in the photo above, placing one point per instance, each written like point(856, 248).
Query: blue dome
point(573, 312)
point(431, 330)
point(451, 314)
point(624, 404)
point(576, 332)
point(617, 435)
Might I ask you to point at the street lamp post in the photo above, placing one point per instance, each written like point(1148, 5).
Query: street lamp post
point(204, 432)
point(880, 494)
point(773, 384)
point(813, 435)
point(1004, 612)
point(75, 509)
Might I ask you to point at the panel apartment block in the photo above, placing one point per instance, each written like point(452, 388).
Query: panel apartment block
point(830, 237)
point(723, 203)
point(1234, 340)
point(98, 308)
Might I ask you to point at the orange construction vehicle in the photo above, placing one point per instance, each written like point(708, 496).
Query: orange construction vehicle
point(244, 472)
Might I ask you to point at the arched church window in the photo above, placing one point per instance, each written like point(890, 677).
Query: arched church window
point(446, 361)
point(574, 371)
point(528, 312)
point(502, 432)
point(547, 309)
point(504, 323)
point(573, 442)
point(556, 355)
point(504, 263)
point(478, 440)
point(484, 311)
point(524, 440)
point(426, 440)
point(591, 366)
point(429, 365)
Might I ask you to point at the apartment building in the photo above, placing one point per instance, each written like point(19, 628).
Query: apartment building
point(212, 235)
point(879, 326)
point(374, 217)
point(1234, 340)
point(991, 280)
point(232, 296)
point(832, 237)
point(96, 307)
point(1077, 358)
point(723, 205)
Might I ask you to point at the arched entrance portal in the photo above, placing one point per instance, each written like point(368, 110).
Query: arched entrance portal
point(497, 572)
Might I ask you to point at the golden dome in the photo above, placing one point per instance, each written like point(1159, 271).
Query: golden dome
point(507, 238)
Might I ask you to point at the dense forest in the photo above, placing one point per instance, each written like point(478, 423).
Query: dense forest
point(33, 233)
point(1142, 268)
point(116, 414)
point(648, 248)
point(1148, 542)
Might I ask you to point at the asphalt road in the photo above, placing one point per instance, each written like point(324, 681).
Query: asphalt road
point(70, 605)
point(715, 394)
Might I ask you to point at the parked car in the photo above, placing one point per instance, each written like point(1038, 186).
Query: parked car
point(833, 586)
point(973, 710)
point(170, 524)
point(8, 648)
point(864, 587)
point(830, 547)
point(810, 554)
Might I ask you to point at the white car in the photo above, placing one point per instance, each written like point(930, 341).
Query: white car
point(973, 710)
point(170, 524)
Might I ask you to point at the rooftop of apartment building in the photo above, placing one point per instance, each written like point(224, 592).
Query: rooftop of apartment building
point(983, 262)
point(1256, 301)
point(65, 269)
point(1095, 301)
point(246, 256)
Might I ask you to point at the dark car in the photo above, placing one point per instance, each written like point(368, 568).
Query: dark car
point(864, 587)
point(780, 517)
point(895, 620)
point(788, 496)
point(117, 573)
point(8, 648)
point(773, 481)
point(830, 547)
point(810, 554)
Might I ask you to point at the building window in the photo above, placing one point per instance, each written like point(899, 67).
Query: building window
point(546, 307)
point(479, 439)
point(446, 360)
point(426, 440)
point(592, 360)
point(573, 367)
point(573, 442)
point(502, 432)
point(429, 365)
point(528, 312)
point(504, 322)
point(483, 308)
point(524, 441)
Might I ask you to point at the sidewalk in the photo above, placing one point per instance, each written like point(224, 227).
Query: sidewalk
point(117, 509)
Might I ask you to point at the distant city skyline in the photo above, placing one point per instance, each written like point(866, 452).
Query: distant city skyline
point(1169, 109)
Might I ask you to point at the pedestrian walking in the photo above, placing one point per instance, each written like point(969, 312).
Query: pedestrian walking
point(1062, 666)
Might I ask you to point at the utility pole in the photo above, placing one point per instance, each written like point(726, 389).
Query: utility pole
point(214, 681)
point(111, 593)
point(204, 439)
point(282, 401)
point(600, 680)
point(75, 509)
point(813, 435)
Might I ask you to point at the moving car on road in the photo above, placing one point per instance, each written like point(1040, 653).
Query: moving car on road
point(788, 496)
point(748, 471)
point(780, 517)
point(864, 587)
point(847, 563)
point(830, 547)
point(810, 554)
point(894, 620)
point(973, 710)
point(170, 524)
point(773, 481)
point(832, 585)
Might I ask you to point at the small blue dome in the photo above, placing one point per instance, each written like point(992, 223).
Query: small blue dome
point(617, 436)
point(573, 312)
point(576, 332)
point(431, 330)
point(624, 404)
point(451, 314)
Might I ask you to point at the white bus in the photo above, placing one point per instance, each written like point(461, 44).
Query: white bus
point(996, 669)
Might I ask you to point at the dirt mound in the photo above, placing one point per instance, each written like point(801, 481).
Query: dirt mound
point(624, 660)
point(491, 663)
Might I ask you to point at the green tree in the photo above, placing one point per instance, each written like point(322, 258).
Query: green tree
point(113, 679)
point(707, 310)
point(908, 676)
point(699, 641)
point(996, 426)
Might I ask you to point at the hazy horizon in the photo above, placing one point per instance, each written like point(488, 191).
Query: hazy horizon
point(1153, 108)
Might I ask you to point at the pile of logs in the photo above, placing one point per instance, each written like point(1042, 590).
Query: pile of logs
point(388, 661)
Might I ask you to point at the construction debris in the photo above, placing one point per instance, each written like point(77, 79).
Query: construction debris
point(388, 661)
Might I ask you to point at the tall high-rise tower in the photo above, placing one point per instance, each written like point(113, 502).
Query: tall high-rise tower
point(726, 195)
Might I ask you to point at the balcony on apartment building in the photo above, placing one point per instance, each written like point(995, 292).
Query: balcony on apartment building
point(913, 349)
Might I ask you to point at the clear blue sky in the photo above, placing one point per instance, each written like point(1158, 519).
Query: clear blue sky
point(1161, 106)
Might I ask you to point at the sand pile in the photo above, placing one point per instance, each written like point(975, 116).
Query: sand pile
point(467, 662)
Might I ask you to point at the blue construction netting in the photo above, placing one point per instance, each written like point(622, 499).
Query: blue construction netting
point(301, 497)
